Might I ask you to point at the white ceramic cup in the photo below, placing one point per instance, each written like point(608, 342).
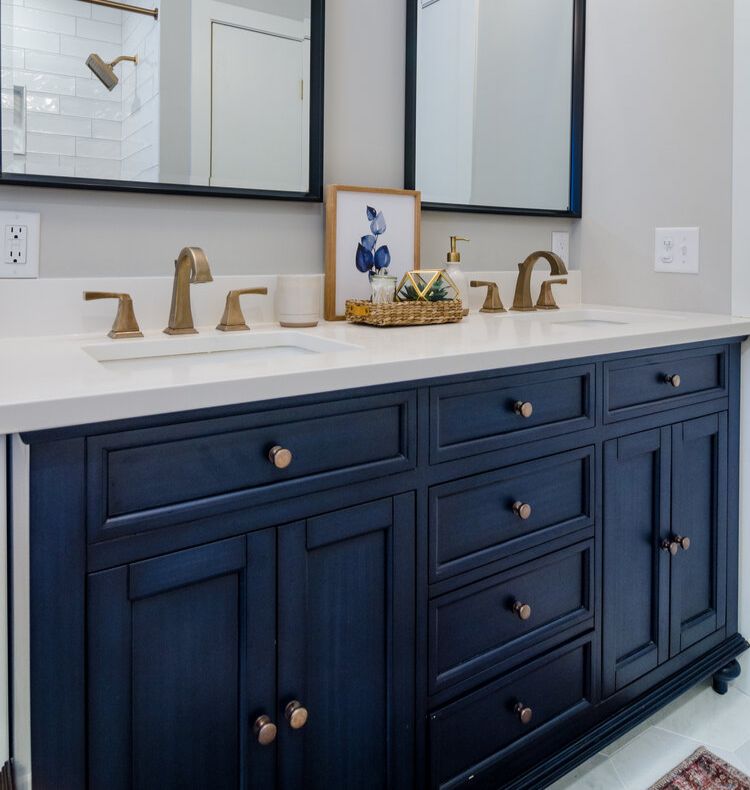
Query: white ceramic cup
point(298, 300)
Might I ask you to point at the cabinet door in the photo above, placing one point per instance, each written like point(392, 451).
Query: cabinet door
point(699, 512)
point(636, 569)
point(346, 647)
point(181, 661)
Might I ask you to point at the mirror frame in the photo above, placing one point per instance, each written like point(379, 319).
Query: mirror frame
point(576, 121)
point(314, 193)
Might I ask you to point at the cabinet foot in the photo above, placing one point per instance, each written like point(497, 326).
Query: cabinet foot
point(725, 675)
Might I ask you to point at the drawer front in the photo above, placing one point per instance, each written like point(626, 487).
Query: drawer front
point(136, 473)
point(643, 385)
point(474, 734)
point(481, 416)
point(485, 623)
point(473, 521)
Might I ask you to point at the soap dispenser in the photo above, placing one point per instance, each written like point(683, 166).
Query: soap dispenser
point(456, 273)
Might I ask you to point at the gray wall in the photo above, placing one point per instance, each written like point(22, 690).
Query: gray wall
point(99, 233)
point(658, 149)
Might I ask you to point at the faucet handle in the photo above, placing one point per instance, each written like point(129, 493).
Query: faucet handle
point(546, 299)
point(492, 303)
point(233, 319)
point(125, 324)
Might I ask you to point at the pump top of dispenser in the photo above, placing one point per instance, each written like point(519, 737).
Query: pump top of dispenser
point(454, 256)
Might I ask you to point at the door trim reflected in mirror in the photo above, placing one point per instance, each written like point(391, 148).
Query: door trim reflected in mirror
point(314, 194)
point(576, 121)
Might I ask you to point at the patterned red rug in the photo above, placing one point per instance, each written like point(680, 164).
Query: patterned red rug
point(703, 771)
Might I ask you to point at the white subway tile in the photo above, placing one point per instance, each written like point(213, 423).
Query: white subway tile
point(43, 20)
point(93, 89)
point(50, 144)
point(97, 168)
point(83, 47)
point(70, 7)
point(30, 39)
point(90, 108)
point(42, 102)
point(101, 31)
point(56, 64)
point(40, 164)
point(12, 57)
point(111, 15)
point(45, 83)
point(98, 149)
point(106, 130)
point(58, 124)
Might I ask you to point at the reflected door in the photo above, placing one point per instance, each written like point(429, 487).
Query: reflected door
point(258, 110)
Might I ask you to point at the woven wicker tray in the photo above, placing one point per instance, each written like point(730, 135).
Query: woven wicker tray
point(404, 313)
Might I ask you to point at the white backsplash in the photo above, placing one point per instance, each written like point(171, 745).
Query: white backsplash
point(56, 307)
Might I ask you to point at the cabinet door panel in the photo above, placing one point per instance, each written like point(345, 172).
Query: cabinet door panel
point(171, 694)
point(699, 512)
point(636, 571)
point(346, 647)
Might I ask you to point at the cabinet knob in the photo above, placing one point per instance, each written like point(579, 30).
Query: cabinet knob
point(522, 510)
point(296, 714)
point(684, 543)
point(524, 713)
point(674, 379)
point(280, 457)
point(671, 546)
point(523, 408)
point(523, 610)
point(264, 730)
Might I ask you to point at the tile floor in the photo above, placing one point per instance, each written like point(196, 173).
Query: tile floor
point(644, 755)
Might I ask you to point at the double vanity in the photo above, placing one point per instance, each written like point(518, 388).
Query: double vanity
point(236, 566)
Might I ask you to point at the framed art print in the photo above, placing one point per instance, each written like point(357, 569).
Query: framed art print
point(368, 231)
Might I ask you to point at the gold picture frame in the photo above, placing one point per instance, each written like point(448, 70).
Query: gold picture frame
point(343, 204)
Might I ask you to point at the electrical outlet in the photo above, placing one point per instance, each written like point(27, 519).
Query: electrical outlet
point(677, 250)
point(20, 256)
point(561, 244)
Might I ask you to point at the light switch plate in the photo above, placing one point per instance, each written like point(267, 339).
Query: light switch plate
point(19, 237)
point(561, 245)
point(677, 250)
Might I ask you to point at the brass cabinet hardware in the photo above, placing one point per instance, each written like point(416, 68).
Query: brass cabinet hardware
point(190, 268)
point(522, 298)
point(546, 299)
point(233, 319)
point(296, 714)
point(522, 610)
point(522, 510)
point(280, 457)
point(523, 408)
point(524, 713)
point(675, 544)
point(492, 303)
point(674, 379)
point(264, 730)
point(125, 324)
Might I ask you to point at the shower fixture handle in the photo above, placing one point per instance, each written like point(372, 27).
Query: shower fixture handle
point(125, 324)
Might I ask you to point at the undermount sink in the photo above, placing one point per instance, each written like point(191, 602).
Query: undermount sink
point(188, 351)
point(595, 318)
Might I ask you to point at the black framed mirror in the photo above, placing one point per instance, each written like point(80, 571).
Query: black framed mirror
point(494, 105)
point(197, 97)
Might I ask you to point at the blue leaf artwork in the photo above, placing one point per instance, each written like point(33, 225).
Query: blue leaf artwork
point(368, 258)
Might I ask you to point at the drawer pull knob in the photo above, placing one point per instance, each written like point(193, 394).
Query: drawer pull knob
point(674, 545)
point(524, 713)
point(522, 510)
point(523, 408)
point(523, 610)
point(264, 730)
point(296, 714)
point(683, 543)
point(280, 457)
point(674, 379)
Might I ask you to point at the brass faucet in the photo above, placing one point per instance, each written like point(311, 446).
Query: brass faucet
point(233, 320)
point(190, 268)
point(522, 299)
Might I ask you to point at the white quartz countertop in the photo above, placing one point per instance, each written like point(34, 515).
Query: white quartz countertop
point(52, 382)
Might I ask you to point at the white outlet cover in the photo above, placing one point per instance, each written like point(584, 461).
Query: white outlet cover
point(29, 269)
point(561, 245)
point(677, 250)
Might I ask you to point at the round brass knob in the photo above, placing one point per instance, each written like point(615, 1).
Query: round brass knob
point(523, 610)
point(671, 546)
point(280, 457)
point(674, 379)
point(296, 714)
point(684, 543)
point(524, 713)
point(264, 730)
point(523, 408)
point(522, 510)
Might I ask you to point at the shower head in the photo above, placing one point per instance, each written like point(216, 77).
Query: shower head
point(105, 72)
